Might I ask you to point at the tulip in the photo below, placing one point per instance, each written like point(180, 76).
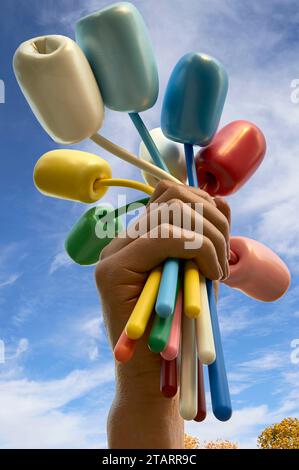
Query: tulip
point(232, 157)
point(257, 271)
point(172, 154)
point(57, 81)
point(71, 174)
point(84, 243)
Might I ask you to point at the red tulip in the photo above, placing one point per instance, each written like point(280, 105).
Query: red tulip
point(231, 158)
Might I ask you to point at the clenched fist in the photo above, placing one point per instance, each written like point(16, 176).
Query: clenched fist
point(140, 416)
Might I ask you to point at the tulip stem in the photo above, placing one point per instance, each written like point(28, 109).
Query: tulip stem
point(146, 188)
point(221, 402)
point(169, 277)
point(190, 163)
point(148, 141)
point(129, 157)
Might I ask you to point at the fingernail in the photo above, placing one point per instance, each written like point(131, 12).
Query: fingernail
point(220, 272)
point(227, 270)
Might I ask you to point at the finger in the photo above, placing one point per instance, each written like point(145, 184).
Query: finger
point(167, 191)
point(152, 249)
point(164, 191)
point(223, 206)
point(220, 244)
point(179, 215)
point(177, 190)
point(210, 211)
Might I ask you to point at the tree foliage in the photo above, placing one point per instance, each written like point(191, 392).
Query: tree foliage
point(283, 435)
point(193, 443)
point(220, 444)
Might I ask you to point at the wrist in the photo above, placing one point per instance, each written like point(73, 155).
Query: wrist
point(140, 377)
point(140, 416)
point(136, 424)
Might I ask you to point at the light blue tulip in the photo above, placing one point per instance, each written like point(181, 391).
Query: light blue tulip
point(194, 99)
point(116, 43)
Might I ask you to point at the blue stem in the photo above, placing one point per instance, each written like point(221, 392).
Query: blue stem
point(221, 402)
point(148, 141)
point(166, 297)
point(190, 163)
point(165, 303)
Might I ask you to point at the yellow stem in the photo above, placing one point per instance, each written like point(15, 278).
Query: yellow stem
point(146, 188)
point(129, 157)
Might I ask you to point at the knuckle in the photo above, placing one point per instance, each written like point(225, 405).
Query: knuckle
point(223, 207)
point(99, 272)
point(176, 203)
point(224, 202)
point(207, 244)
point(105, 252)
point(206, 196)
point(166, 232)
point(163, 185)
point(181, 191)
point(104, 269)
point(224, 225)
point(164, 227)
point(220, 240)
point(177, 192)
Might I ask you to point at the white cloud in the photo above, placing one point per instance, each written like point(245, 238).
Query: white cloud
point(86, 336)
point(22, 347)
point(32, 413)
point(250, 373)
point(10, 256)
point(12, 352)
point(267, 362)
point(93, 353)
point(236, 320)
point(10, 280)
point(292, 378)
point(239, 382)
point(44, 395)
point(61, 260)
point(26, 309)
point(92, 329)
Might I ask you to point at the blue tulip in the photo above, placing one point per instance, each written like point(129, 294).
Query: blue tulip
point(194, 99)
point(116, 43)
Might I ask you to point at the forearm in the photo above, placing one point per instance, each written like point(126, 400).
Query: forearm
point(140, 416)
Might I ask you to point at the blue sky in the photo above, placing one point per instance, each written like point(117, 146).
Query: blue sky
point(57, 382)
